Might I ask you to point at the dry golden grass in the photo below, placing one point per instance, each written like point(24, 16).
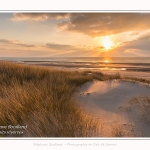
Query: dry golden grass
point(43, 100)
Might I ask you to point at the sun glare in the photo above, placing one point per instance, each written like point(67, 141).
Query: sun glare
point(107, 42)
point(106, 61)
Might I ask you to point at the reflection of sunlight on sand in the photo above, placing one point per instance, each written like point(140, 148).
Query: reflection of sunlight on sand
point(102, 87)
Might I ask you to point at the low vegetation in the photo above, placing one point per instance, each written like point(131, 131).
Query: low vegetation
point(133, 79)
point(143, 104)
point(42, 100)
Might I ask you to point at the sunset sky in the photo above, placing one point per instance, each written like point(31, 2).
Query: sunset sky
point(74, 34)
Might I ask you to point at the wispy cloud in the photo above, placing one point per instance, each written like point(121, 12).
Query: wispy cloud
point(56, 46)
point(15, 42)
point(135, 52)
point(38, 16)
point(143, 43)
point(136, 47)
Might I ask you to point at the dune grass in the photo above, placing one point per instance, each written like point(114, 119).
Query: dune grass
point(133, 79)
point(42, 99)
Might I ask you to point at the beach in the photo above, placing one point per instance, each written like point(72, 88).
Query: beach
point(137, 70)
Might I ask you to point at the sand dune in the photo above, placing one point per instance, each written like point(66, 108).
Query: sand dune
point(109, 102)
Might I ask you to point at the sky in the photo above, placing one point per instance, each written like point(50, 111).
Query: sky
point(75, 34)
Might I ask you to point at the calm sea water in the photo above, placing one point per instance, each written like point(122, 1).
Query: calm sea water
point(81, 59)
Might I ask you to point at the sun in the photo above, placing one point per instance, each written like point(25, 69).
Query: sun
point(107, 42)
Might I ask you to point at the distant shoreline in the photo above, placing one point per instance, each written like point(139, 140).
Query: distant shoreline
point(132, 72)
point(138, 70)
point(140, 67)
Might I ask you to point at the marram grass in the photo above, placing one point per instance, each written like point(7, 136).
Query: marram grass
point(43, 100)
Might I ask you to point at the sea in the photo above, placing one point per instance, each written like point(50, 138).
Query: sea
point(88, 63)
point(82, 59)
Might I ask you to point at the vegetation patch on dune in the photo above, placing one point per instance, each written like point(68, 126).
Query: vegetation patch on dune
point(143, 104)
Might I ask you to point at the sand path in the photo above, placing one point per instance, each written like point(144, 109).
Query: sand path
point(109, 101)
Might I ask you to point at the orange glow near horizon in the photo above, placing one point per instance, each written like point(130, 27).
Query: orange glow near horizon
point(106, 61)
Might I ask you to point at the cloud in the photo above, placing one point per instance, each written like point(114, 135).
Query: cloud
point(93, 24)
point(6, 41)
point(38, 16)
point(56, 46)
point(136, 52)
point(15, 42)
point(142, 43)
point(76, 51)
point(137, 47)
point(101, 24)
point(13, 52)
